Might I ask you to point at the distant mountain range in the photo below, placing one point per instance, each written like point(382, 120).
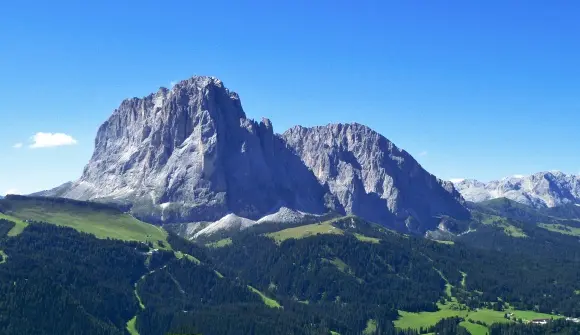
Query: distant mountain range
point(539, 190)
point(190, 154)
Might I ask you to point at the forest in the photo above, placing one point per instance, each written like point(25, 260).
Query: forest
point(350, 283)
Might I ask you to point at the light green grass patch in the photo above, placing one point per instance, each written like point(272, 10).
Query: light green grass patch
point(180, 255)
point(217, 273)
point(219, 244)
point(371, 327)
point(305, 231)
point(101, 223)
point(560, 228)
point(368, 239)
point(340, 265)
point(474, 328)
point(531, 315)
point(445, 242)
point(4, 257)
point(332, 332)
point(19, 225)
point(131, 326)
point(268, 301)
point(503, 223)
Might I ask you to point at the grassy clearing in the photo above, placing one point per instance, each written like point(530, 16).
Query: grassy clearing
point(531, 315)
point(456, 309)
point(102, 223)
point(180, 255)
point(4, 257)
point(19, 225)
point(371, 327)
point(474, 328)
point(463, 279)
point(219, 244)
point(131, 326)
point(340, 265)
point(366, 238)
point(428, 319)
point(305, 231)
point(445, 242)
point(217, 273)
point(503, 223)
point(268, 301)
point(560, 228)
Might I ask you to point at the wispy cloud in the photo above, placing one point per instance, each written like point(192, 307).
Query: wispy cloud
point(423, 153)
point(17, 145)
point(456, 180)
point(172, 83)
point(49, 140)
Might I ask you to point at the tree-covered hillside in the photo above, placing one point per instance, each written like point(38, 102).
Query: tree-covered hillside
point(342, 276)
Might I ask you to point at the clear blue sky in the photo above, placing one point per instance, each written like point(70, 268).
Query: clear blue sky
point(478, 89)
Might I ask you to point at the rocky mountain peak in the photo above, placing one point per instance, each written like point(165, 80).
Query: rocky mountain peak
point(190, 154)
point(542, 189)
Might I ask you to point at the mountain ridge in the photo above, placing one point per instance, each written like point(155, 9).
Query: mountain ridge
point(190, 154)
point(539, 190)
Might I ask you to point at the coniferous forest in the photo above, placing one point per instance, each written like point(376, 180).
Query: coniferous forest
point(70, 282)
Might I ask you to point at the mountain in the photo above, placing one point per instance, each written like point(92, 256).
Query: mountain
point(539, 190)
point(372, 178)
point(190, 154)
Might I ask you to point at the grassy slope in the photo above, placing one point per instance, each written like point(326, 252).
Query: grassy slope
point(220, 243)
point(4, 257)
point(456, 309)
point(502, 222)
point(102, 223)
point(19, 225)
point(131, 327)
point(305, 231)
point(560, 228)
point(371, 327)
point(474, 328)
point(268, 301)
point(364, 238)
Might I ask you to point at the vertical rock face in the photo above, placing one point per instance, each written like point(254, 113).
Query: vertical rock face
point(190, 154)
point(374, 179)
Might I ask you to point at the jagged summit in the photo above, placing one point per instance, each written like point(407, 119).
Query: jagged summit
point(190, 154)
point(542, 189)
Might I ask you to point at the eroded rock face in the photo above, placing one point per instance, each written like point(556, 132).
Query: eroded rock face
point(540, 190)
point(190, 154)
point(374, 179)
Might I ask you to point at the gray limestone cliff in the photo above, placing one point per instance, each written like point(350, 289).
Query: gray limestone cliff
point(190, 154)
point(374, 179)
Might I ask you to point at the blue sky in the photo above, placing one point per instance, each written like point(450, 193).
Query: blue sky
point(479, 89)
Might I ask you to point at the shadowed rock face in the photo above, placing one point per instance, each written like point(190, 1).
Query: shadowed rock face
point(190, 154)
point(374, 179)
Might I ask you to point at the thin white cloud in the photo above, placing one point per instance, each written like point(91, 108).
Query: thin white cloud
point(49, 140)
point(423, 153)
point(17, 145)
point(456, 180)
point(11, 191)
point(172, 83)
